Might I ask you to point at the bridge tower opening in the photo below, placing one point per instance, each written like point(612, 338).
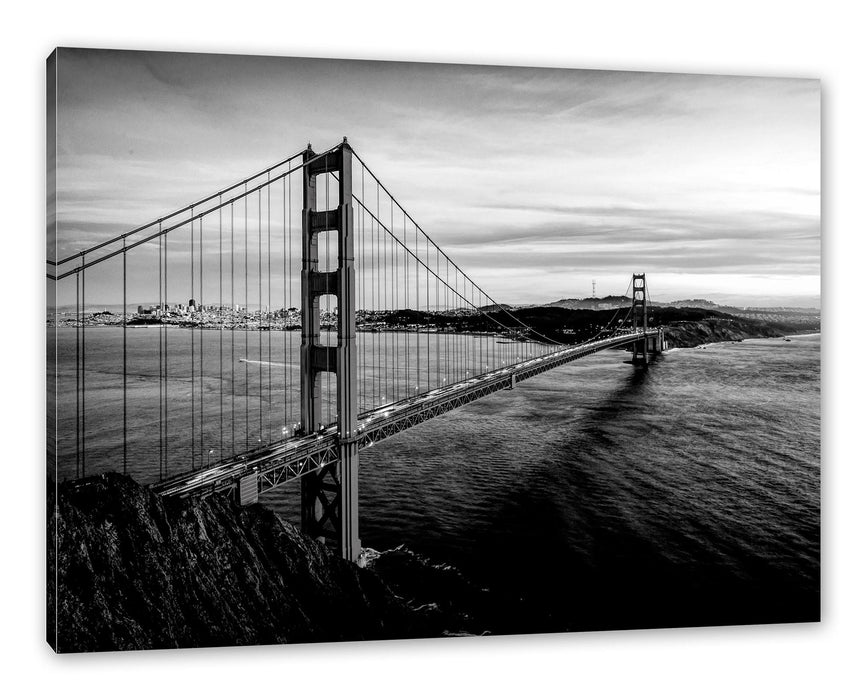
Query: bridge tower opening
point(329, 494)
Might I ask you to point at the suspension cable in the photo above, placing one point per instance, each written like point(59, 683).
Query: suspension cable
point(180, 224)
point(447, 284)
point(177, 212)
point(445, 255)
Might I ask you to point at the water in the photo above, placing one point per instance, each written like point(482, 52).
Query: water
point(599, 496)
point(229, 392)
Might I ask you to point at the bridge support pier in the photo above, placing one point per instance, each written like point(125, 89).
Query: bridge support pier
point(329, 495)
point(656, 342)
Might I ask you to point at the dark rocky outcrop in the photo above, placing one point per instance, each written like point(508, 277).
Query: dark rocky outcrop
point(135, 572)
point(440, 594)
point(688, 328)
point(689, 334)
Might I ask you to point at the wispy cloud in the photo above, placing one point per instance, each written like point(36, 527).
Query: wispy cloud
point(557, 176)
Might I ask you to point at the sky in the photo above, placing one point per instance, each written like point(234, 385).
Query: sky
point(535, 181)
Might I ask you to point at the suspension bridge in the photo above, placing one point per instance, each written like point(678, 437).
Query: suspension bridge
point(292, 319)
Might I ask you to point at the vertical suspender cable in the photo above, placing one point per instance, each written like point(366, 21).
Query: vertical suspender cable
point(473, 346)
point(328, 302)
point(191, 312)
point(467, 337)
point(201, 447)
point(261, 322)
point(234, 320)
point(159, 339)
point(246, 317)
point(291, 305)
point(162, 362)
point(428, 324)
point(362, 339)
point(379, 278)
point(165, 354)
point(418, 317)
point(392, 264)
point(222, 323)
point(270, 308)
point(83, 374)
point(78, 322)
point(406, 299)
point(446, 292)
point(285, 319)
point(439, 381)
point(124, 358)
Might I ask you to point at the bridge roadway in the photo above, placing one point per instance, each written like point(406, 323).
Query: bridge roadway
point(266, 468)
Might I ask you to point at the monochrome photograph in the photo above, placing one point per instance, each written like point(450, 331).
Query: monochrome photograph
point(349, 350)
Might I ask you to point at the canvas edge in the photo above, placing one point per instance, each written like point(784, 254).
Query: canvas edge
point(51, 583)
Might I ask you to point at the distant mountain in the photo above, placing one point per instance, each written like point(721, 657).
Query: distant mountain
point(784, 309)
point(593, 303)
point(704, 304)
point(614, 302)
point(691, 304)
point(490, 308)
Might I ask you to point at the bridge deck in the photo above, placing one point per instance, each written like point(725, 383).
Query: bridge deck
point(295, 456)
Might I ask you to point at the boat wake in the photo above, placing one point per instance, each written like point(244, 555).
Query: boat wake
point(264, 362)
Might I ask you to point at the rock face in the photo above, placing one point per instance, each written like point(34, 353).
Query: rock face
point(689, 334)
point(440, 594)
point(134, 572)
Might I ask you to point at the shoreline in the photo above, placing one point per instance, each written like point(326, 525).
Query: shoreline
point(670, 330)
point(808, 334)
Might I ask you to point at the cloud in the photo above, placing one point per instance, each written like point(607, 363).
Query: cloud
point(614, 225)
point(554, 170)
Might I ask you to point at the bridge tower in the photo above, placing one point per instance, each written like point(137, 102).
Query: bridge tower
point(639, 317)
point(329, 495)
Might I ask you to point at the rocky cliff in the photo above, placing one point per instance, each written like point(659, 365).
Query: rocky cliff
point(134, 572)
point(689, 334)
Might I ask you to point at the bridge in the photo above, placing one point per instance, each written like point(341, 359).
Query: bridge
point(390, 333)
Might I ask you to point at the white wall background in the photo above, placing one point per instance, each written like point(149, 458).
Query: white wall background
point(796, 39)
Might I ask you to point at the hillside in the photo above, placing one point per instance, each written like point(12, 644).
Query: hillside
point(608, 302)
point(134, 572)
point(685, 327)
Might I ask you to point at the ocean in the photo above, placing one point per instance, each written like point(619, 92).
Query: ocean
point(594, 496)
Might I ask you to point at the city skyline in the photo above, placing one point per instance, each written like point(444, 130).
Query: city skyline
point(536, 181)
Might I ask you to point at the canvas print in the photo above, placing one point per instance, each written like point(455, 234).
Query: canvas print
point(353, 350)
